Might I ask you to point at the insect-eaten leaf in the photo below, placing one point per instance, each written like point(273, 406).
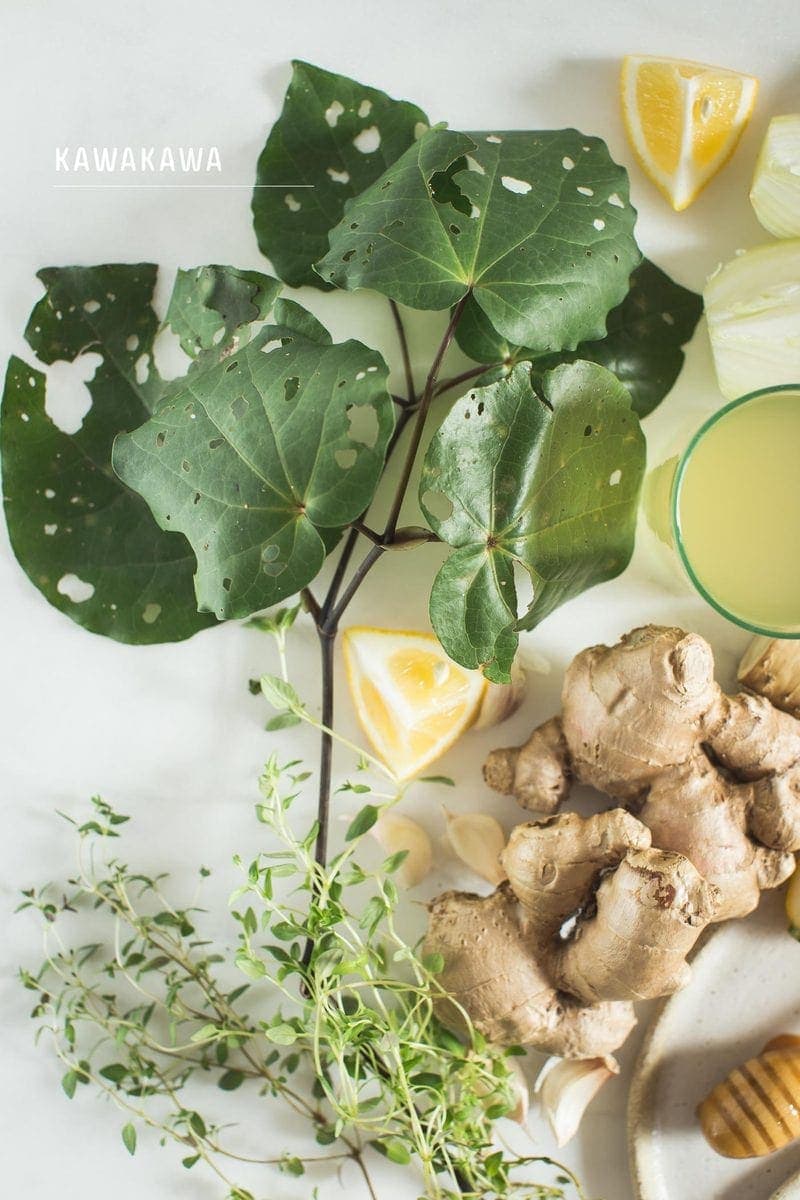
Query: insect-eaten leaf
point(211, 305)
point(261, 460)
point(642, 345)
point(548, 484)
point(538, 225)
point(87, 542)
point(333, 138)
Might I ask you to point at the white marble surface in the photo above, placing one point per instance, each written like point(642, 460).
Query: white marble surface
point(170, 733)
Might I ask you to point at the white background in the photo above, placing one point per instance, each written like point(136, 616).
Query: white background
point(170, 733)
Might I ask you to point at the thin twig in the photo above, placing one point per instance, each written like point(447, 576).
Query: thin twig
point(352, 537)
point(464, 377)
point(368, 533)
point(422, 414)
point(362, 570)
point(404, 351)
point(326, 746)
point(358, 1158)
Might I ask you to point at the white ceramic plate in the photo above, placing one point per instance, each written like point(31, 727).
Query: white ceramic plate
point(745, 989)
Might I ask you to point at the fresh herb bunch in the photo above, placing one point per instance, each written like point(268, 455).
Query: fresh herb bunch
point(347, 1039)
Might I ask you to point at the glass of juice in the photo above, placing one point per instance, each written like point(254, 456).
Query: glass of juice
point(735, 506)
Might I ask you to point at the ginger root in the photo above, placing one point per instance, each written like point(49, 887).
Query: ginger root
point(492, 980)
point(771, 667)
point(714, 777)
point(600, 912)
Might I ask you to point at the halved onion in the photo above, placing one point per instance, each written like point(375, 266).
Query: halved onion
point(753, 312)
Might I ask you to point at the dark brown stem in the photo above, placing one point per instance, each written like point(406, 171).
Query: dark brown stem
point(464, 377)
point(366, 532)
point(422, 415)
point(326, 641)
point(404, 351)
point(340, 572)
point(359, 575)
point(352, 537)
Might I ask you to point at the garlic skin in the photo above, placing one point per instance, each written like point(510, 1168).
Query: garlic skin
point(566, 1087)
point(478, 840)
point(394, 832)
point(519, 1085)
point(500, 700)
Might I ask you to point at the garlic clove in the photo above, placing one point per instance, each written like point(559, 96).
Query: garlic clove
point(394, 832)
point(500, 700)
point(566, 1086)
point(519, 1086)
point(478, 840)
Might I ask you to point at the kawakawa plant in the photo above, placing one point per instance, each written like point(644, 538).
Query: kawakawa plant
point(181, 502)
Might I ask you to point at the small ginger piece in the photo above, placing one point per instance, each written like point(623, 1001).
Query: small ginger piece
point(751, 737)
point(771, 667)
point(755, 1110)
point(537, 774)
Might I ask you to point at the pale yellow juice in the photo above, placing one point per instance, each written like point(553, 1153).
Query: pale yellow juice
point(737, 512)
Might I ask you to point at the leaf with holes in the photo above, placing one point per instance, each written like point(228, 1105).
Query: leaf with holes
point(548, 484)
point(85, 540)
point(212, 305)
point(258, 462)
point(333, 138)
point(642, 345)
point(538, 225)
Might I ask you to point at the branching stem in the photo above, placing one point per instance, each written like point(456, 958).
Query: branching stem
point(464, 377)
point(422, 415)
point(328, 614)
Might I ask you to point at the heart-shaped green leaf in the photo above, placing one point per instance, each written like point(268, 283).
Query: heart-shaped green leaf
point(89, 544)
point(642, 346)
point(549, 484)
point(333, 138)
point(261, 459)
point(538, 225)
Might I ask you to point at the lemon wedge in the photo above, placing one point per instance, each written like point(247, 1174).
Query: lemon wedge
point(412, 701)
point(684, 120)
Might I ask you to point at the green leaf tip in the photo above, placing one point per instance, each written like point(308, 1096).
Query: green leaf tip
point(333, 138)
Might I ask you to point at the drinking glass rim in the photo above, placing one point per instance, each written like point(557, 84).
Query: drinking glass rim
point(680, 471)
